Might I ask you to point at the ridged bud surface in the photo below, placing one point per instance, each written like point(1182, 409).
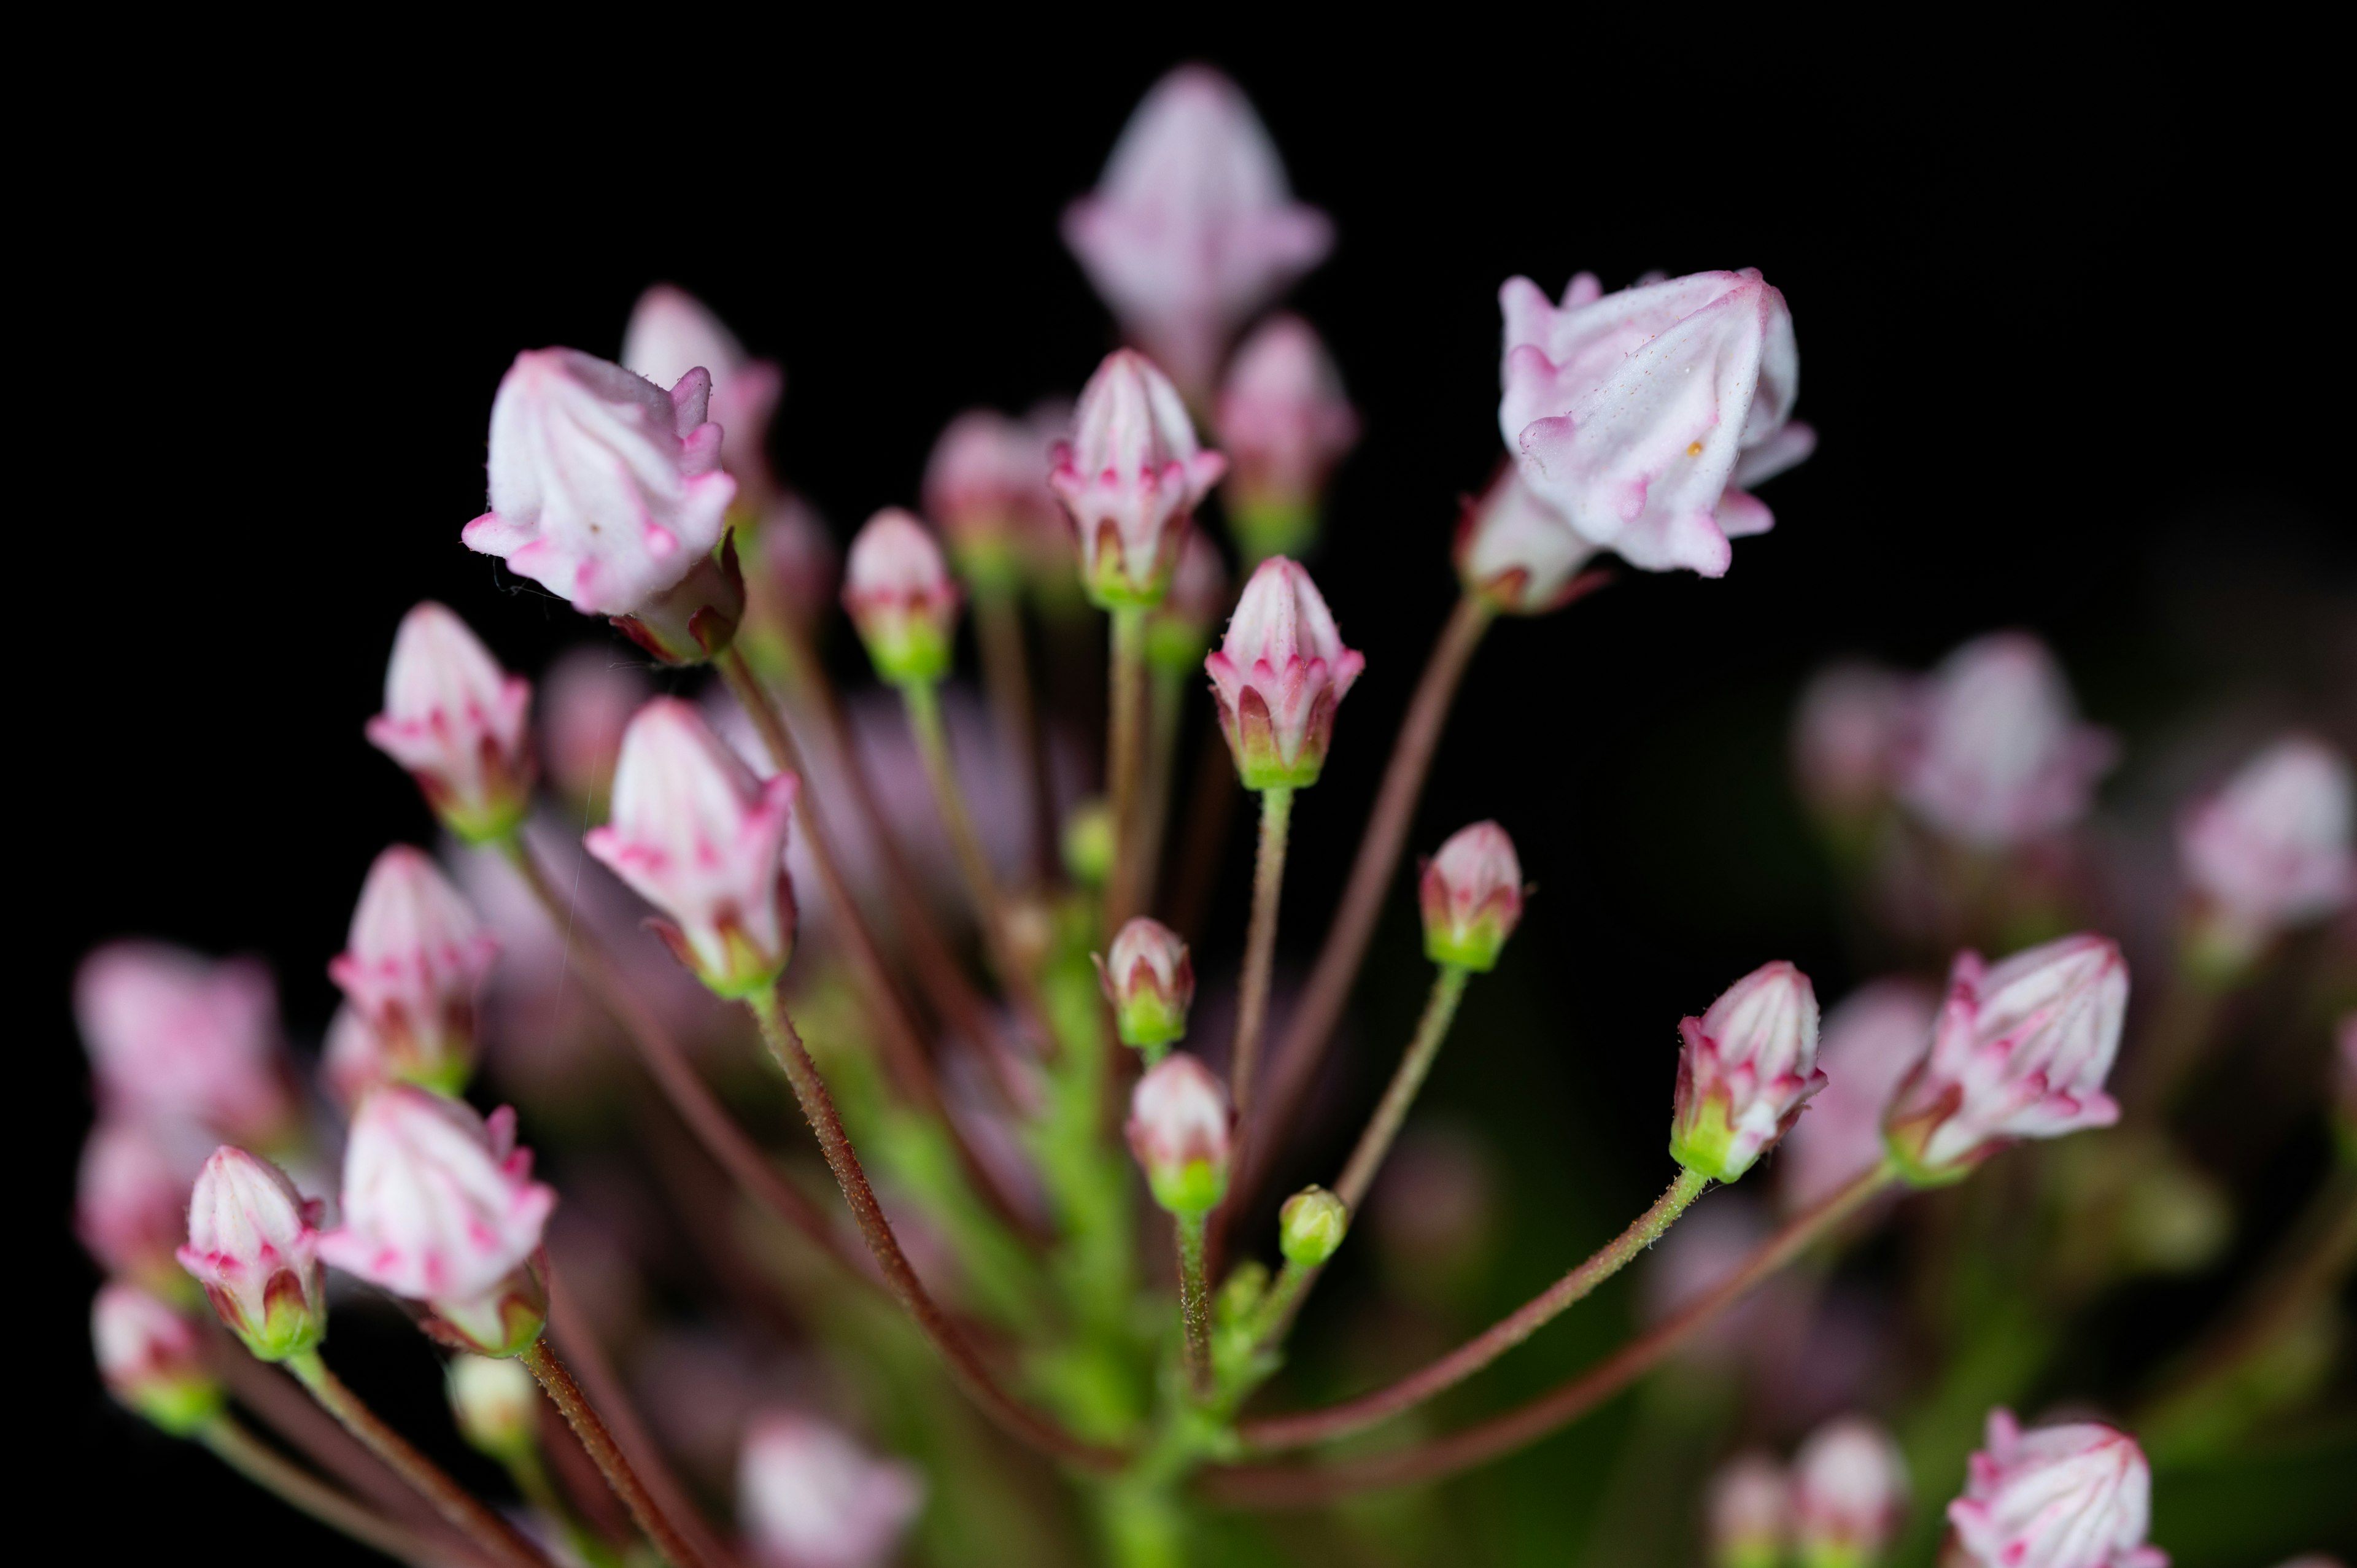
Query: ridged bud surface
point(898, 589)
point(413, 967)
point(1471, 895)
point(1130, 480)
point(458, 723)
point(1747, 1067)
point(252, 1246)
point(1179, 1129)
point(1150, 981)
point(2078, 1496)
point(1278, 676)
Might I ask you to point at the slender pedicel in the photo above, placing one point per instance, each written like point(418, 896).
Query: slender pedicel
point(1179, 1129)
point(298, 1489)
point(566, 1395)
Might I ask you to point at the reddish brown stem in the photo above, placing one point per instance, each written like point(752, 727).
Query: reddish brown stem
point(582, 1416)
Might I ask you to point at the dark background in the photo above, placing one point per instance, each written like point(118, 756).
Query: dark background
point(2078, 354)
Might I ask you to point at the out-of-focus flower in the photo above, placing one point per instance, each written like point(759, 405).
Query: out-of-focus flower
point(2271, 849)
point(1278, 676)
point(1087, 842)
point(587, 701)
point(1870, 1042)
point(1517, 552)
point(2078, 1496)
point(1471, 893)
point(1994, 753)
point(413, 968)
point(496, 1404)
point(986, 488)
point(698, 837)
point(131, 1201)
point(1150, 982)
point(175, 1037)
point(152, 1361)
point(898, 592)
point(1845, 738)
point(1849, 1494)
point(458, 723)
point(2020, 1050)
point(1285, 422)
point(353, 1060)
point(252, 1246)
point(1747, 1067)
point(1747, 1513)
point(1130, 478)
point(1178, 630)
point(791, 564)
point(1192, 226)
point(1178, 1129)
point(609, 492)
point(812, 1498)
point(439, 1207)
point(1434, 1210)
point(1310, 1226)
point(673, 333)
point(1629, 413)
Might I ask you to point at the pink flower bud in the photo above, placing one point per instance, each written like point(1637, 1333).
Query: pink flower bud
point(793, 565)
point(1130, 477)
point(1748, 1065)
point(1279, 677)
point(2020, 1051)
point(812, 1498)
point(671, 334)
point(898, 592)
point(699, 838)
point(1629, 412)
point(1150, 982)
point(176, 1037)
point(2271, 849)
point(131, 1202)
point(152, 1361)
point(1179, 631)
point(609, 492)
point(1178, 1129)
point(1995, 752)
point(1845, 737)
point(1192, 226)
point(1849, 1494)
point(986, 487)
point(1473, 897)
point(1519, 553)
point(353, 1059)
point(2059, 1497)
point(1285, 423)
point(413, 968)
point(252, 1246)
point(439, 1206)
point(1870, 1042)
point(587, 701)
point(457, 722)
point(1747, 1513)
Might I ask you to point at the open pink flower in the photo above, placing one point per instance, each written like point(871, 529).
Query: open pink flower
point(2020, 1051)
point(673, 333)
point(2271, 849)
point(701, 839)
point(252, 1246)
point(1471, 896)
point(176, 1037)
point(1994, 752)
point(458, 723)
point(413, 968)
point(1748, 1065)
point(1629, 412)
point(1192, 226)
point(1179, 1129)
point(1871, 1042)
point(1284, 422)
point(1517, 552)
point(1130, 478)
point(1279, 677)
point(2056, 1496)
point(812, 1498)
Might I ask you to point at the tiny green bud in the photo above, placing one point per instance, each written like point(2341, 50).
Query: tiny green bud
point(1310, 1226)
point(496, 1404)
point(1088, 843)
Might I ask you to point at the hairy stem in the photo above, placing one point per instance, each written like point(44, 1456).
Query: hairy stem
point(1124, 763)
point(1007, 677)
point(1260, 952)
point(566, 1395)
point(1194, 1303)
point(1367, 1157)
point(1166, 701)
point(300, 1489)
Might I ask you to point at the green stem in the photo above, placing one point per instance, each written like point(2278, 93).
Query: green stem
point(1125, 759)
point(1166, 701)
point(1260, 951)
point(922, 700)
point(566, 1395)
point(1194, 1303)
point(300, 1489)
point(1367, 1158)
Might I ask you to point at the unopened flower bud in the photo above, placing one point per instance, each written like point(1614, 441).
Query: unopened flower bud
point(413, 970)
point(1520, 553)
point(1088, 843)
point(1850, 1495)
point(1179, 631)
point(698, 837)
point(1310, 1226)
point(130, 1203)
point(1747, 1067)
point(1240, 1294)
point(252, 1246)
point(1279, 677)
point(1747, 1513)
point(812, 1498)
point(152, 1361)
point(439, 1207)
point(671, 334)
point(2271, 849)
point(987, 488)
point(898, 589)
point(175, 1037)
point(2020, 1051)
point(458, 723)
point(1130, 477)
point(1994, 753)
point(2078, 1496)
point(1473, 897)
point(1178, 1129)
point(1845, 738)
point(497, 1404)
point(1150, 982)
point(1285, 423)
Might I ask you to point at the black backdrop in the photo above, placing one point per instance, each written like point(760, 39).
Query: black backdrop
point(2070, 351)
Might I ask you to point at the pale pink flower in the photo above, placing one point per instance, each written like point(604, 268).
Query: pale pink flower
point(131, 1200)
point(1179, 1128)
point(1192, 226)
point(1471, 896)
point(587, 701)
point(2078, 1496)
point(1279, 675)
point(605, 489)
point(986, 487)
point(2020, 1050)
point(1747, 1067)
point(1994, 753)
point(671, 334)
point(352, 1058)
point(1130, 478)
point(414, 966)
point(2271, 849)
point(1845, 737)
point(458, 723)
point(1629, 412)
point(898, 589)
point(151, 1359)
point(175, 1037)
point(1285, 422)
point(812, 1498)
point(698, 837)
point(1518, 552)
point(1870, 1044)
point(439, 1207)
point(1747, 1513)
point(252, 1246)
point(1150, 981)
point(1849, 1492)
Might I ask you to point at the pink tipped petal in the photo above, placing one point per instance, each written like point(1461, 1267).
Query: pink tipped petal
point(1130, 477)
point(413, 968)
point(2077, 1496)
point(1279, 677)
point(175, 1037)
